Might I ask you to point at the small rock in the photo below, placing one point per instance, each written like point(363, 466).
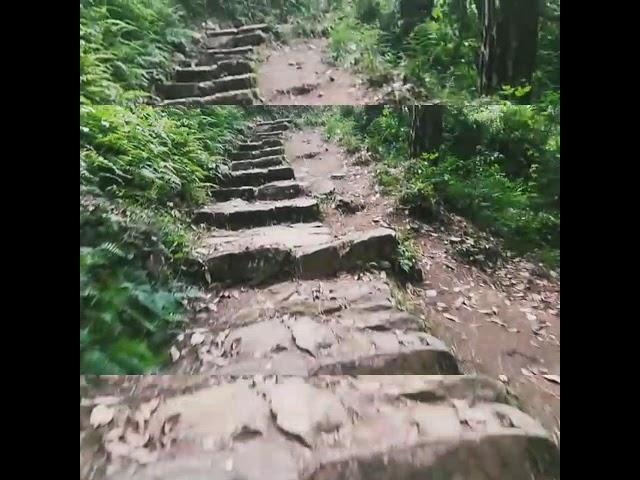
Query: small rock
point(346, 205)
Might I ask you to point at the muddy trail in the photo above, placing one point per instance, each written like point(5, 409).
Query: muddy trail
point(246, 66)
point(313, 362)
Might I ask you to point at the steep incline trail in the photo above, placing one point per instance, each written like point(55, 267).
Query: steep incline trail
point(313, 363)
point(300, 74)
point(244, 66)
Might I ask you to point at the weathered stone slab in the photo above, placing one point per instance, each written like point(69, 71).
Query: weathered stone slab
point(261, 162)
point(239, 97)
point(225, 84)
point(257, 153)
point(237, 214)
point(339, 428)
point(270, 191)
point(258, 176)
point(272, 128)
point(274, 122)
point(354, 250)
point(212, 72)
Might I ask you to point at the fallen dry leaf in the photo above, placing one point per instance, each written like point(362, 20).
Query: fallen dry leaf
point(497, 321)
point(451, 317)
point(503, 378)
point(486, 312)
point(143, 455)
point(106, 400)
point(117, 449)
point(526, 372)
point(135, 439)
point(114, 434)
point(552, 378)
point(197, 338)
point(175, 353)
point(149, 407)
point(100, 415)
point(458, 303)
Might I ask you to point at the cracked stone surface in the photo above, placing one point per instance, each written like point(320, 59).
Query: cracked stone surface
point(304, 328)
point(333, 427)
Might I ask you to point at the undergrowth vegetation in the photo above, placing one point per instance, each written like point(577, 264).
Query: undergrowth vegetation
point(141, 170)
point(498, 166)
point(439, 54)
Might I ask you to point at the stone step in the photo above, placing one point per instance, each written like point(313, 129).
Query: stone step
point(264, 162)
point(172, 91)
point(331, 428)
point(275, 127)
point(273, 122)
point(260, 136)
point(245, 39)
point(216, 55)
point(306, 250)
point(255, 154)
point(210, 32)
point(237, 97)
point(230, 51)
point(345, 326)
point(260, 145)
point(313, 346)
point(258, 176)
point(271, 191)
point(237, 214)
point(212, 72)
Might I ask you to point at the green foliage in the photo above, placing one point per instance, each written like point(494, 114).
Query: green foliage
point(388, 135)
point(155, 155)
point(306, 18)
point(499, 167)
point(408, 253)
point(439, 56)
point(361, 46)
point(125, 45)
point(343, 130)
point(141, 169)
point(139, 164)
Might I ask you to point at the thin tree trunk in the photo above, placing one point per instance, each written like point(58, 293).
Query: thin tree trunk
point(427, 125)
point(509, 43)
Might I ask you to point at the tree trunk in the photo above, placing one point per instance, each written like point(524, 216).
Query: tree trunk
point(427, 125)
point(509, 43)
point(413, 12)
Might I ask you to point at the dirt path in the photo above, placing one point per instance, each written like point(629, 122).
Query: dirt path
point(505, 324)
point(299, 74)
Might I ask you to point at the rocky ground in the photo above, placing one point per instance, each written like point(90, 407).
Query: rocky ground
point(314, 362)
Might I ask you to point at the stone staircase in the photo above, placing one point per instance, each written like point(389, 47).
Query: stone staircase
point(222, 71)
point(265, 225)
point(317, 375)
